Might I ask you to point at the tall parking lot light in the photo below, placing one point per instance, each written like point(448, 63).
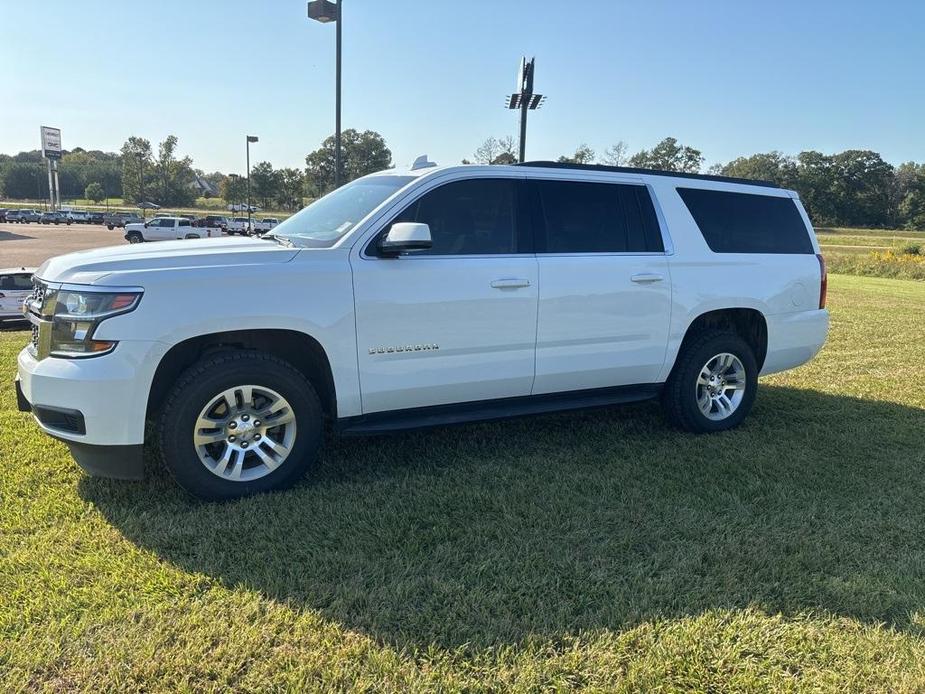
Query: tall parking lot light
point(250, 138)
point(325, 12)
point(525, 100)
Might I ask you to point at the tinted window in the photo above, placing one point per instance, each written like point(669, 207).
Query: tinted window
point(184, 223)
point(474, 217)
point(15, 282)
point(597, 218)
point(747, 223)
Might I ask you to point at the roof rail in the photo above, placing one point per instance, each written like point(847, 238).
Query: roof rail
point(650, 172)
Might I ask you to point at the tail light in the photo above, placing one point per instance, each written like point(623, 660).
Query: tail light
point(824, 281)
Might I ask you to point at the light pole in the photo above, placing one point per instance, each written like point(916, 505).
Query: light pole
point(234, 190)
point(325, 11)
point(141, 164)
point(525, 100)
point(250, 138)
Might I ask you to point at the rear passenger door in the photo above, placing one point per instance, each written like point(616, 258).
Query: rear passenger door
point(605, 291)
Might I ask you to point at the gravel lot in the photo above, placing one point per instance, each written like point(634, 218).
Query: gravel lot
point(33, 244)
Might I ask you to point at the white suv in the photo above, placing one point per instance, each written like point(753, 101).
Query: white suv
point(423, 297)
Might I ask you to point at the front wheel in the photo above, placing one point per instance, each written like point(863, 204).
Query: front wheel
point(713, 384)
point(240, 423)
point(134, 237)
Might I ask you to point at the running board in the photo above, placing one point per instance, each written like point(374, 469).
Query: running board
point(490, 410)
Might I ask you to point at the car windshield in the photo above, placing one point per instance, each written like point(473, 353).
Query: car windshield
point(327, 219)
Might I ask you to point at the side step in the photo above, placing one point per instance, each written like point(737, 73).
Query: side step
point(490, 410)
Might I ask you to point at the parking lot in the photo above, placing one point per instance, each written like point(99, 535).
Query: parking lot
point(32, 244)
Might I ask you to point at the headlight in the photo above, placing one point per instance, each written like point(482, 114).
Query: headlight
point(78, 312)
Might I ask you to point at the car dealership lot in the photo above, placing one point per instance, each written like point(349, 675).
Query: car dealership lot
point(33, 244)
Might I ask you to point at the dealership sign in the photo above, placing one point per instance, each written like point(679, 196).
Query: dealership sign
point(51, 142)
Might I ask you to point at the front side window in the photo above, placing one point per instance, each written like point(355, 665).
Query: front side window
point(474, 217)
point(581, 217)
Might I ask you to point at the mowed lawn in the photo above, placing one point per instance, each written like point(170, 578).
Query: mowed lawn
point(600, 550)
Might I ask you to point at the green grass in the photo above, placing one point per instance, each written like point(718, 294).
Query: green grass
point(599, 550)
point(873, 252)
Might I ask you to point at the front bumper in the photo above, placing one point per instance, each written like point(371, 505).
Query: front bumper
point(110, 393)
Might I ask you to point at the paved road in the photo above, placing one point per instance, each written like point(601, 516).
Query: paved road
point(33, 244)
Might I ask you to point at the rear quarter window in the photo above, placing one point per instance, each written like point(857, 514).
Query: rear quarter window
point(746, 222)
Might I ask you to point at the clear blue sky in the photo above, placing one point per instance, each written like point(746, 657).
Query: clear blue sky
point(729, 78)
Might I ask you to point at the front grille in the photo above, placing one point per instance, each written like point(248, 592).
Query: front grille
point(38, 312)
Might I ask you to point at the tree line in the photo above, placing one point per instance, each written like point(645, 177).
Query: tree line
point(140, 172)
point(849, 188)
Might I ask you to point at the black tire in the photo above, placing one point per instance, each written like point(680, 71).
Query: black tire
point(110, 227)
point(201, 383)
point(679, 397)
point(134, 237)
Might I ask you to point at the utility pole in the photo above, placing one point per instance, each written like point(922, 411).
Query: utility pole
point(525, 100)
point(250, 138)
point(141, 166)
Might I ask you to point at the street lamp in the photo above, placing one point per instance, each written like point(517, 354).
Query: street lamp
point(250, 138)
point(234, 190)
point(325, 11)
point(525, 100)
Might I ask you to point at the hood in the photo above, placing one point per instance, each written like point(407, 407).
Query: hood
point(89, 267)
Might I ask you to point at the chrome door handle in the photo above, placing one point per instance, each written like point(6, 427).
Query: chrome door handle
point(512, 283)
point(646, 278)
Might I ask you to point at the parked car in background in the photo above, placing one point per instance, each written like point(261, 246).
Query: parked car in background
point(238, 225)
point(441, 305)
point(15, 288)
point(242, 207)
point(77, 216)
point(95, 217)
point(28, 216)
point(262, 226)
point(11, 216)
point(211, 220)
point(120, 219)
point(54, 218)
point(167, 229)
point(3, 212)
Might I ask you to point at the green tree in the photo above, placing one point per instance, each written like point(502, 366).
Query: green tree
point(361, 153)
point(137, 161)
point(25, 180)
point(264, 183)
point(94, 191)
point(289, 188)
point(582, 155)
point(771, 166)
point(668, 155)
point(174, 176)
point(863, 187)
point(233, 189)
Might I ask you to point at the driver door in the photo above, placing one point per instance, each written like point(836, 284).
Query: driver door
point(455, 323)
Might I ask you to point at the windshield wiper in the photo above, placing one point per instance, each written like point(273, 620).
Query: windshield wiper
point(284, 240)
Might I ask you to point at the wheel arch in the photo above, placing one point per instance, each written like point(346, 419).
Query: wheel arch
point(749, 323)
point(301, 350)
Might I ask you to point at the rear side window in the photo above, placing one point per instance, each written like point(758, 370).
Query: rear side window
point(15, 282)
point(597, 218)
point(747, 223)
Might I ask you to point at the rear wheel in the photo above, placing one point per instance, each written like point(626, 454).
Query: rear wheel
point(240, 423)
point(713, 384)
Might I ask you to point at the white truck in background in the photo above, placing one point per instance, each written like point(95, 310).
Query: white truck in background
point(168, 229)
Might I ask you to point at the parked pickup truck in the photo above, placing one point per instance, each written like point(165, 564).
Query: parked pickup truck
point(238, 225)
point(167, 229)
point(120, 219)
point(262, 226)
point(422, 297)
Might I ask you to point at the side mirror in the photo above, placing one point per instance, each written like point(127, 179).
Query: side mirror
point(404, 237)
